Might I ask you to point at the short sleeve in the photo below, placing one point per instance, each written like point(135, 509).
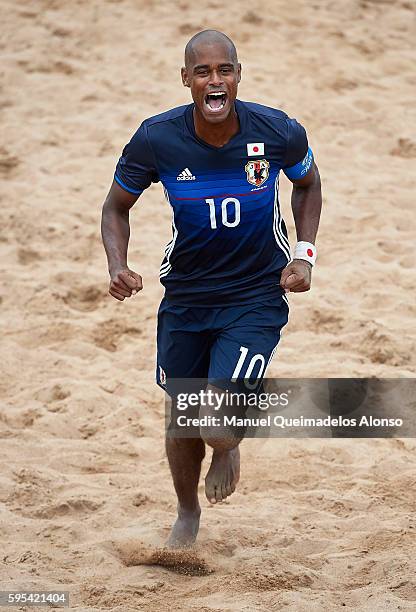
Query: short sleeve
point(297, 143)
point(136, 168)
point(299, 157)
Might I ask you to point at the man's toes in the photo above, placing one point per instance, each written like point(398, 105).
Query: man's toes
point(218, 494)
point(227, 490)
point(210, 492)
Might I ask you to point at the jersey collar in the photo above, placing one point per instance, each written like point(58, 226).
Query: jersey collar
point(241, 113)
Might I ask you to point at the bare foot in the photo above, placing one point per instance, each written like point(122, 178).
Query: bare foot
point(223, 474)
point(185, 529)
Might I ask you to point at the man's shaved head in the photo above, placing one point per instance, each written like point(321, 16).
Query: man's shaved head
point(213, 73)
point(208, 37)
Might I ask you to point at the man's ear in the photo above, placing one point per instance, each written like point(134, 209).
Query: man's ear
point(184, 76)
point(239, 72)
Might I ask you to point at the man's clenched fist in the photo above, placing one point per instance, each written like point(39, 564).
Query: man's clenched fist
point(124, 283)
point(296, 276)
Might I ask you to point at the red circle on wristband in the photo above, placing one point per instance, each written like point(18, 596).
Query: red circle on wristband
point(310, 252)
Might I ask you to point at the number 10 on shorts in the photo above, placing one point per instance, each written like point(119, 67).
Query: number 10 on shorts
point(227, 212)
point(251, 365)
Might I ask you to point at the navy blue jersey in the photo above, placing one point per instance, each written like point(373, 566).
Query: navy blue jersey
point(229, 240)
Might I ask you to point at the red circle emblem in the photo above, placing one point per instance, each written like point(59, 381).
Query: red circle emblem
point(310, 252)
point(255, 149)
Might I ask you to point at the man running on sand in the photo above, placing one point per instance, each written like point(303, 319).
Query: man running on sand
point(228, 265)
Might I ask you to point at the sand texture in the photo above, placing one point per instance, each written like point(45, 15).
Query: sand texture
point(86, 500)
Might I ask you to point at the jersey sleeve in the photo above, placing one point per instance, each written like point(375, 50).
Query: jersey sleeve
point(299, 157)
point(136, 168)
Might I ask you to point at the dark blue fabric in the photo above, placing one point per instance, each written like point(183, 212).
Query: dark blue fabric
point(229, 241)
point(207, 343)
point(300, 169)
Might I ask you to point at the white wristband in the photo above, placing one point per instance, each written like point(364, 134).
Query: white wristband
point(306, 251)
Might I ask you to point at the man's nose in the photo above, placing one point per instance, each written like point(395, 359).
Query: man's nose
point(216, 78)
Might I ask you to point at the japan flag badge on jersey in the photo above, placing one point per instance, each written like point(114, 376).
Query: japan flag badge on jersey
point(255, 148)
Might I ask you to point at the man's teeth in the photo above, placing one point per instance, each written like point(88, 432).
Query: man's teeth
point(215, 95)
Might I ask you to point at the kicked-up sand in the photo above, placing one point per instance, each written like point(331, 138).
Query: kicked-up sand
point(86, 500)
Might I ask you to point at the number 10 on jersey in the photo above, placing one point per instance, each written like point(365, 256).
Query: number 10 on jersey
point(227, 212)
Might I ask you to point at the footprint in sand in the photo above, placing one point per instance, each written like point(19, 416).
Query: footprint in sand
point(21, 419)
point(327, 321)
point(140, 499)
point(27, 256)
point(405, 590)
point(189, 29)
point(252, 18)
point(53, 393)
point(108, 334)
point(378, 345)
point(8, 163)
point(342, 84)
point(74, 506)
point(58, 67)
point(61, 32)
point(405, 148)
point(30, 557)
point(85, 299)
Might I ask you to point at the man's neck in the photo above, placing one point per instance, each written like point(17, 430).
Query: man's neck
point(219, 134)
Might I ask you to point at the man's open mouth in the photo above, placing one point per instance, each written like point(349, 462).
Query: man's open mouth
point(216, 101)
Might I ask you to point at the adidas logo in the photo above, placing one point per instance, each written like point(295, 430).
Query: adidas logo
point(185, 175)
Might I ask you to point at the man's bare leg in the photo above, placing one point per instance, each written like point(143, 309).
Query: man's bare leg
point(224, 472)
point(185, 457)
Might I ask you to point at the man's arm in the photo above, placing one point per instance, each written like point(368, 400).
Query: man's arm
point(307, 204)
point(306, 207)
point(115, 232)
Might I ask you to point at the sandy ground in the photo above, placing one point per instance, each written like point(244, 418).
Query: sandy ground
point(85, 492)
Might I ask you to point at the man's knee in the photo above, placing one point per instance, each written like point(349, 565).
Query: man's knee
point(195, 445)
point(219, 438)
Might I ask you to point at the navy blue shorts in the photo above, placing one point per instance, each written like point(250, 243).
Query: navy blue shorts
point(215, 344)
